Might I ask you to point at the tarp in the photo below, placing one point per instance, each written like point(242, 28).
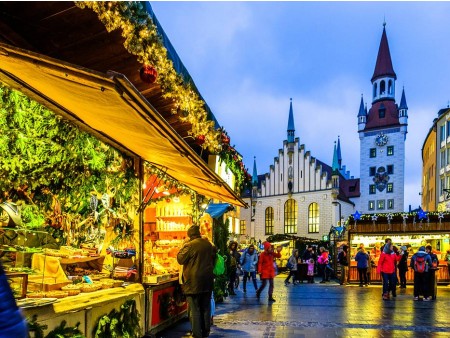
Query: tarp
point(215, 210)
point(110, 107)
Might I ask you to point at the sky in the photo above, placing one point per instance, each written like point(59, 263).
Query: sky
point(249, 58)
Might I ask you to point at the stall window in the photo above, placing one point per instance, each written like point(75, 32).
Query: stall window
point(390, 169)
point(372, 189)
point(390, 204)
point(371, 205)
point(290, 216)
point(313, 218)
point(373, 152)
point(243, 227)
point(390, 187)
point(380, 205)
point(269, 221)
point(390, 150)
point(372, 171)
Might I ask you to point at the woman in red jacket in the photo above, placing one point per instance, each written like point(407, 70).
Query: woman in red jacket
point(386, 266)
point(266, 268)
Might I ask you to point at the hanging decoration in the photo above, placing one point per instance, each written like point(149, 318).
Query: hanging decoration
point(374, 219)
point(405, 218)
point(440, 217)
point(389, 219)
point(356, 217)
point(148, 74)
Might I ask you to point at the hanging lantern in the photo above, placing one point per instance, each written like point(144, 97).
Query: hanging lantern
point(148, 74)
point(200, 139)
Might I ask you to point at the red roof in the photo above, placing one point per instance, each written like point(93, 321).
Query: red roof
point(383, 67)
point(390, 118)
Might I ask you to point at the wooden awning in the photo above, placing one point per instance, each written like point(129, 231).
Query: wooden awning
point(110, 107)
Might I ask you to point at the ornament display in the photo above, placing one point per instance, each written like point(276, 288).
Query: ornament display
point(148, 74)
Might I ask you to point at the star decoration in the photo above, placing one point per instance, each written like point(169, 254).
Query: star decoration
point(357, 215)
point(422, 214)
point(374, 218)
point(441, 215)
point(405, 217)
point(389, 217)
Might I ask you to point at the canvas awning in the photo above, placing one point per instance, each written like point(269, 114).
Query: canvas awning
point(216, 210)
point(111, 108)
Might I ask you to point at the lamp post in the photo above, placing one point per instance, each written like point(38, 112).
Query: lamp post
point(334, 237)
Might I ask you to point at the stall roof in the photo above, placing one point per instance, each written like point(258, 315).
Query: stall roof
point(109, 106)
point(215, 210)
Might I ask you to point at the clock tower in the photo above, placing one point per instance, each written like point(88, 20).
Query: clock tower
point(382, 133)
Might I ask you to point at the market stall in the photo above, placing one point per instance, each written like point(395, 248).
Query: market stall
point(412, 230)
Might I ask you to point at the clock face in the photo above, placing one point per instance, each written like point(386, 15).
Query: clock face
point(381, 140)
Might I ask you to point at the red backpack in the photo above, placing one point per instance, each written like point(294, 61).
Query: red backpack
point(419, 264)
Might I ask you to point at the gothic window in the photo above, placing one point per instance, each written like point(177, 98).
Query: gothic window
point(390, 150)
point(390, 187)
point(373, 152)
point(269, 221)
point(372, 189)
point(390, 87)
point(374, 90)
point(390, 204)
point(313, 218)
point(243, 228)
point(390, 169)
point(290, 216)
point(382, 88)
point(380, 205)
point(371, 205)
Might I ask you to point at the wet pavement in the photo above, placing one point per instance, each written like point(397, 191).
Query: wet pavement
point(327, 310)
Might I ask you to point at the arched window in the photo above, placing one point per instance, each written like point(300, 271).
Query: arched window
point(375, 90)
point(382, 88)
point(269, 221)
point(390, 87)
point(290, 216)
point(313, 218)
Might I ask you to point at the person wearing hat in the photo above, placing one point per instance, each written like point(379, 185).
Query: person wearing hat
point(403, 266)
point(197, 258)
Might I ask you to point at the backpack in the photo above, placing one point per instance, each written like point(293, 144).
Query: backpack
point(419, 264)
point(219, 265)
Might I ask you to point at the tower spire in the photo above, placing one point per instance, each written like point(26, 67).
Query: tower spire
point(403, 104)
point(255, 173)
point(335, 165)
point(383, 66)
point(291, 127)
point(339, 155)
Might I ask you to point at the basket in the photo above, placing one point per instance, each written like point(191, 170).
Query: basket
point(107, 284)
point(91, 287)
point(73, 292)
point(56, 294)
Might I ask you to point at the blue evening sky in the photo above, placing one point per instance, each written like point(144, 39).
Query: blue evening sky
point(249, 58)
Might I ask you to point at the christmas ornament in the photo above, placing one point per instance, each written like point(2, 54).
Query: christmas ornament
point(374, 219)
point(148, 74)
point(200, 140)
point(356, 217)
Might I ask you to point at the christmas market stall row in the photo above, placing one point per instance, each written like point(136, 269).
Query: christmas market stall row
point(108, 154)
point(409, 229)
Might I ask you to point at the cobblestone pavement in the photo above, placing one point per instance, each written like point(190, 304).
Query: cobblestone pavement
point(327, 310)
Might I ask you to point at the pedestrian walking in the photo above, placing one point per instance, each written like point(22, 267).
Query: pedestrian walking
point(266, 268)
point(362, 263)
point(249, 261)
point(420, 262)
point(292, 267)
point(197, 258)
point(322, 262)
point(310, 272)
point(233, 261)
point(403, 266)
point(343, 261)
point(386, 267)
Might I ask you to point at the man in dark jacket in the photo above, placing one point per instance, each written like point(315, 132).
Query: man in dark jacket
point(197, 258)
point(233, 262)
point(420, 262)
point(343, 261)
point(12, 323)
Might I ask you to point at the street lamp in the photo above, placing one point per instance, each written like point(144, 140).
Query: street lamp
point(340, 214)
point(254, 200)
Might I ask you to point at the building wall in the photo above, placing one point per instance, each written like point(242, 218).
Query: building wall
point(442, 160)
point(429, 158)
point(396, 138)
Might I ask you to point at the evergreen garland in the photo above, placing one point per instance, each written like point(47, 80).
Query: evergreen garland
point(220, 237)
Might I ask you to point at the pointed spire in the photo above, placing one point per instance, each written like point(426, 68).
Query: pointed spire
point(383, 66)
point(291, 127)
point(335, 165)
point(255, 173)
point(339, 155)
point(362, 111)
point(403, 104)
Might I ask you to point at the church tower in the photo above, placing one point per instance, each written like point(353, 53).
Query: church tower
point(382, 133)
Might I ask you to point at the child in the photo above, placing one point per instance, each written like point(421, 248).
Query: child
point(310, 270)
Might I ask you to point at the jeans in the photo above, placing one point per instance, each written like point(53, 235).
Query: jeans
point(263, 285)
point(200, 314)
point(344, 274)
point(233, 277)
point(248, 275)
point(362, 272)
point(389, 282)
point(293, 274)
point(324, 271)
point(420, 284)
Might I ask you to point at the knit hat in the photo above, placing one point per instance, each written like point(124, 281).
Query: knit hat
point(404, 248)
point(422, 248)
point(194, 232)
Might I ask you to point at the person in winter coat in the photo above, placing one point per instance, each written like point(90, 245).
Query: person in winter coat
point(362, 263)
point(249, 259)
point(293, 260)
point(12, 323)
point(266, 268)
point(420, 262)
point(343, 261)
point(197, 257)
point(322, 262)
point(233, 262)
point(403, 266)
point(386, 267)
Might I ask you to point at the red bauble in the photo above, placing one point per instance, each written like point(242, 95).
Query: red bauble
point(225, 139)
point(148, 74)
point(200, 139)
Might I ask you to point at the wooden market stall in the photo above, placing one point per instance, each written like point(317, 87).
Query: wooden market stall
point(412, 230)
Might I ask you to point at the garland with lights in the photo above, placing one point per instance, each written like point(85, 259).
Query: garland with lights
point(233, 161)
point(142, 39)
